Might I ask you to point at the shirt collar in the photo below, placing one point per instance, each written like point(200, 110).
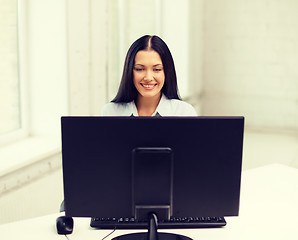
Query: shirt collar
point(161, 110)
point(163, 106)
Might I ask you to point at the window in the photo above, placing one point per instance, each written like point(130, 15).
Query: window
point(10, 110)
point(40, 82)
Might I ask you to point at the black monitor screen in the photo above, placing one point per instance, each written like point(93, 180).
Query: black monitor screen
point(198, 162)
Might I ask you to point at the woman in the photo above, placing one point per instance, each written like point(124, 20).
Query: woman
point(149, 84)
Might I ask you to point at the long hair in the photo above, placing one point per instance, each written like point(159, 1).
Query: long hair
point(127, 91)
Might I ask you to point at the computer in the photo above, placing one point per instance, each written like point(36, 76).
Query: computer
point(152, 172)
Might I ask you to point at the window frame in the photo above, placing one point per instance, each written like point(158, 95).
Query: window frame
point(23, 131)
point(51, 56)
point(33, 142)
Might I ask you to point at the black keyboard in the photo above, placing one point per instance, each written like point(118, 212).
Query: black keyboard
point(131, 223)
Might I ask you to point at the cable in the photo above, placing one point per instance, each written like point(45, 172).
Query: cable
point(102, 238)
point(109, 234)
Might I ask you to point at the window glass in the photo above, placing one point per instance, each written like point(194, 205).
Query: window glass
point(9, 80)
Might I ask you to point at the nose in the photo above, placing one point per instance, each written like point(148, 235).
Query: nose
point(149, 76)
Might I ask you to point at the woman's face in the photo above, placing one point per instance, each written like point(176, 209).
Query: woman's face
point(148, 73)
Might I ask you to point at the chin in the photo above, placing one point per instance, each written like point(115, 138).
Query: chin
point(151, 95)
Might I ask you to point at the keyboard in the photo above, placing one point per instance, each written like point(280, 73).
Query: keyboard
point(131, 223)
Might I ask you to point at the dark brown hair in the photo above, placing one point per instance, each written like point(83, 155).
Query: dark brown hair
point(127, 91)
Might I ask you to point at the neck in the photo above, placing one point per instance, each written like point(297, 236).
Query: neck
point(147, 106)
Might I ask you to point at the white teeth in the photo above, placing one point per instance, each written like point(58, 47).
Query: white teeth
point(148, 86)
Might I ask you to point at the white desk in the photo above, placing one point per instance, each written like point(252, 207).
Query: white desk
point(268, 210)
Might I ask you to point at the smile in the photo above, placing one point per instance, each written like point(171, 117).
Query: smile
point(148, 86)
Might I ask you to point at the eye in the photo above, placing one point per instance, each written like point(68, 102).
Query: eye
point(139, 69)
point(157, 69)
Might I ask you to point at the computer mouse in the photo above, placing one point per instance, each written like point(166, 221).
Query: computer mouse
point(64, 225)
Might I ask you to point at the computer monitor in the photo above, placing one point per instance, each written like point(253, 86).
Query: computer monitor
point(108, 161)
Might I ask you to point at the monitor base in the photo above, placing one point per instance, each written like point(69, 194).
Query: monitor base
point(152, 233)
point(144, 236)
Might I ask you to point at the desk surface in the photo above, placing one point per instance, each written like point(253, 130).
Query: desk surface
point(268, 210)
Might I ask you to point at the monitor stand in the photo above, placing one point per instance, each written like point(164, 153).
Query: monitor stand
point(152, 233)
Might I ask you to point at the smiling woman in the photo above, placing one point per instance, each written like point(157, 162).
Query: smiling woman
point(149, 83)
point(149, 78)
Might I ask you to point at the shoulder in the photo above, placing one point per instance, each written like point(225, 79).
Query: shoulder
point(175, 107)
point(117, 109)
point(182, 108)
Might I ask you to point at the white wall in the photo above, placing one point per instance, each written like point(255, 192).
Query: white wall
point(86, 56)
point(250, 61)
point(175, 32)
point(196, 54)
point(35, 190)
point(47, 65)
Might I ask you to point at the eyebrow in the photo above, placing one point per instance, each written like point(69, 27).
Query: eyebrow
point(159, 64)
